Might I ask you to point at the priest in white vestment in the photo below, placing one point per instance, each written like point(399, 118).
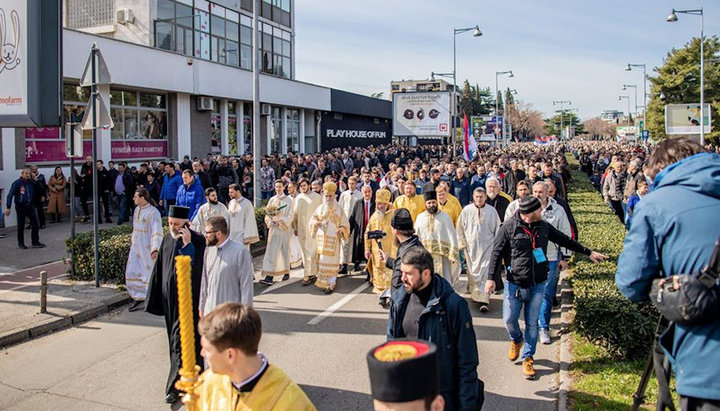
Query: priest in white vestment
point(278, 219)
point(477, 225)
point(145, 242)
point(436, 231)
point(295, 249)
point(211, 208)
point(243, 226)
point(305, 205)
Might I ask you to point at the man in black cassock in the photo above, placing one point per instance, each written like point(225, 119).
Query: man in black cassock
point(162, 298)
point(363, 209)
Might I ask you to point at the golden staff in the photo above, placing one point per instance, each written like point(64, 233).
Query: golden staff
point(189, 371)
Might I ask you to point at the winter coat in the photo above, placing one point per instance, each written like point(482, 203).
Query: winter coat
point(170, 186)
point(192, 197)
point(394, 263)
point(672, 232)
point(56, 196)
point(446, 322)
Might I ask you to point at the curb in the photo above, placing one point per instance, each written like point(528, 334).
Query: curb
point(566, 319)
point(56, 324)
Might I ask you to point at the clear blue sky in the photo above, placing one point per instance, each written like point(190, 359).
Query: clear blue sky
point(558, 49)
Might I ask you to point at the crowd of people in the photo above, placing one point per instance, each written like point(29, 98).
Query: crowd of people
point(412, 220)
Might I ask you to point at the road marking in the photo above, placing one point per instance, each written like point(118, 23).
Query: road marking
point(35, 284)
point(337, 305)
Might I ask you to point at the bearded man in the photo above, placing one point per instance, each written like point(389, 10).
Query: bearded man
point(162, 297)
point(243, 226)
point(211, 208)
point(328, 225)
point(476, 229)
point(410, 200)
point(380, 221)
point(436, 232)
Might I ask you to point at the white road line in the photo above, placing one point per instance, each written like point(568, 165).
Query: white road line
point(338, 304)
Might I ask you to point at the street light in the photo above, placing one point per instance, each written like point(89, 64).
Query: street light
point(476, 33)
point(645, 94)
point(497, 98)
point(562, 112)
point(697, 12)
point(634, 87)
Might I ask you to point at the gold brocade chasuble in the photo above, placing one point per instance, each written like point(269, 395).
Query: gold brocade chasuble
point(414, 205)
point(381, 275)
point(334, 227)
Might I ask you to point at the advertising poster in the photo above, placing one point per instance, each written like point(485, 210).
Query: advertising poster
point(138, 149)
point(484, 128)
point(425, 114)
point(13, 64)
point(685, 119)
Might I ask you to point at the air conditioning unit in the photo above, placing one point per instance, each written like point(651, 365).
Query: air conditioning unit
point(265, 109)
point(204, 103)
point(124, 16)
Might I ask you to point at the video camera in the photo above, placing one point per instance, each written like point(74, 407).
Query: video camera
point(376, 235)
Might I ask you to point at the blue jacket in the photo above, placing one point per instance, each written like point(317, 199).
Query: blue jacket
point(21, 191)
point(192, 197)
point(461, 190)
point(673, 231)
point(170, 186)
point(446, 321)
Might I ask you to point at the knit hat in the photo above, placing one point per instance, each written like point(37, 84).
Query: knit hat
point(528, 204)
point(402, 220)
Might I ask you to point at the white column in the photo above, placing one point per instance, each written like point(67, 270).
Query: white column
point(224, 143)
point(240, 136)
point(9, 171)
point(182, 123)
point(283, 131)
point(301, 131)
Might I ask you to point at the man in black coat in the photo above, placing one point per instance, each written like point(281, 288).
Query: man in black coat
point(105, 185)
point(405, 238)
point(162, 297)
point(359, 218)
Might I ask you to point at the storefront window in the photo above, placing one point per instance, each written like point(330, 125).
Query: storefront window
point(232, 130)
point(216, 128)
point(293, 130)
point(138, 115)
point(276, 132)
point(247, 127)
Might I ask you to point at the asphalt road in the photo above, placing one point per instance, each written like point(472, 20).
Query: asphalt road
point(120, 361)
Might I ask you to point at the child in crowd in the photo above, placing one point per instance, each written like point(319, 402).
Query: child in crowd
point(642, 190)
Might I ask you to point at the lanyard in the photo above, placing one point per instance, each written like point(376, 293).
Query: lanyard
point(532, 237)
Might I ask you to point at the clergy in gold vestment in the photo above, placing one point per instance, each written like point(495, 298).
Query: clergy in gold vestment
point(380, 221)
point(278, 219)
point(476, 229)
point(305, 205)
point(447, 202)
point(328, 225)
point(414, 203)
point(239, 377)
point(436, 232)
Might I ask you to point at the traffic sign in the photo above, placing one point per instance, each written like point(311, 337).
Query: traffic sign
point(645, 134)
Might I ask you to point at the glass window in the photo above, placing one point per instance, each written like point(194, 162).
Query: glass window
point(152, 100)
point(202, 22)
point(152, 124)
point(117, 132)
point(165, 10)
point(203, 5)
point(202, 45)
point(286, 48)
point(164, 36)
point(231, 49)
point(245, 57)
point(231, 31)
point(215, 133)
point(217, 10)
point(130, 122)
point(246, 34)
point(287, 67)
point(218, 26)
point(184, 15)
point(232, 16)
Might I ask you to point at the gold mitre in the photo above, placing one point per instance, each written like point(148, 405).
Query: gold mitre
point(329, 188)
point(382, 196)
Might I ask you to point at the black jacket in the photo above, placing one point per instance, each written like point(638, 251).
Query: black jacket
point(105, 181)
point(394, 263)
point(357, 235)
point(446, 321)
point(514, 244)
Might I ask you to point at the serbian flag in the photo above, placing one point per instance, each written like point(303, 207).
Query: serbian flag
point(469, 144)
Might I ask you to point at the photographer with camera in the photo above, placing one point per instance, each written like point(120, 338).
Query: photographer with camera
point(376, 240)
point(672, 232)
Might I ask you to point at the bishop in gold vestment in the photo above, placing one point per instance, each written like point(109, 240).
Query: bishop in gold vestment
point(328, 225)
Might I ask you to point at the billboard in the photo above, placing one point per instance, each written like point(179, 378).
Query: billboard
point(685, 119)
point(351, 130)
point(486, 128)
point(425, 114)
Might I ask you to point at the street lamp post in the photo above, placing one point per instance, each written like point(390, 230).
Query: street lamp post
point(698, 12)
point(562, 112)
point(634, 87)
point(476, 33)
point(497, 99)
point(645, 94)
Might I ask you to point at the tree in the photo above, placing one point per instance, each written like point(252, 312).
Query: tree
point(568, 119)
point(526, 121)
point(678, 81)
point(466, 104)
point(379, 94)
point(476, 101)
point(598, 128)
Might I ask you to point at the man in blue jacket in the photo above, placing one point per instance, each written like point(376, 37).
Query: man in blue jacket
point(170, 184)
point(190, 194)
point(21, 191)
point(673, 232)
point(427, 308)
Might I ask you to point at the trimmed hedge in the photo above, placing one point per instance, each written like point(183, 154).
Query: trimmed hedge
point(114, 250)
point(602, 314)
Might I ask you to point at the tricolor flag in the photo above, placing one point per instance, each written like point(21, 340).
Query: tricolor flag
point(470, 147)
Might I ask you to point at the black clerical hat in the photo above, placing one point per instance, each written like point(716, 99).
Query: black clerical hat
point(430, 195)
point(402, 220)
point(403, 370)
point(179, 212)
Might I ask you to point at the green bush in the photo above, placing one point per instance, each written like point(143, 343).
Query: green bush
point(602, 314)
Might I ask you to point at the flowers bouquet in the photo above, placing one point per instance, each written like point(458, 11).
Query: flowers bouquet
point(272, 211)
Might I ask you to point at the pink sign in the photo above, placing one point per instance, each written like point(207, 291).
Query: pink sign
point(133, 149)
point(48, 151)
point(45, 132)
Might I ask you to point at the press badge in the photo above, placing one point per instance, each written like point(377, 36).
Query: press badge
point(539, 255)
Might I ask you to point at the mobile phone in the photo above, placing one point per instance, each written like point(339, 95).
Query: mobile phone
point(187, 225)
